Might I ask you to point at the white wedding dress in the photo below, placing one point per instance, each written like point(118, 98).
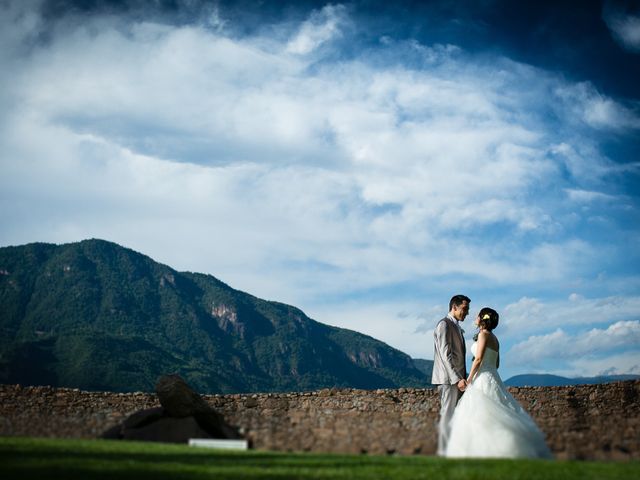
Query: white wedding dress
point(489, 422)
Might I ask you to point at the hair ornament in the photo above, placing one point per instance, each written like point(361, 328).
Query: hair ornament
point(486, 316)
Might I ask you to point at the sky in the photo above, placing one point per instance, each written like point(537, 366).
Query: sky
point(363, 161)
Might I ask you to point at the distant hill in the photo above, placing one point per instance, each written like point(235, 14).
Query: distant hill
point(425, 366)
point(545, 380)
point(97, 316)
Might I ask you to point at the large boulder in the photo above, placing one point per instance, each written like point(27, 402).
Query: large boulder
point(179, 399)
point(183, 415)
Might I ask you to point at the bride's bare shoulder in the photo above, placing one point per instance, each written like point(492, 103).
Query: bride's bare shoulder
point(484, 334)
point(489, 339)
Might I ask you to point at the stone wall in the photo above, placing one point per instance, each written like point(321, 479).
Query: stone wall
point(581, 422)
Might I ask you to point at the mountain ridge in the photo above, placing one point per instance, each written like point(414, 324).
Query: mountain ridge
point(96, 315)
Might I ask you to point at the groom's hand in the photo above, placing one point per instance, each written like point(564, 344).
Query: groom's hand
point(462, 384)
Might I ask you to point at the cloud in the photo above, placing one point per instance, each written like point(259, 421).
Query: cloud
point(625, 28)
point(596, 110)
point(532, 314)
point(610, 350)
point(363, 170)
point(186, 94)
point(616, 364)
point(381, 320)
point(321, 27)
point(574, 337)
point(273, 160)
point(593, 343)
point(588, 196)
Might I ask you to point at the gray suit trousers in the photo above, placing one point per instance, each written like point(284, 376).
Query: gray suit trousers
point(449, 396)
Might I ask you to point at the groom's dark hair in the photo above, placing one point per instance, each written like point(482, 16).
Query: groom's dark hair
point(458, 300)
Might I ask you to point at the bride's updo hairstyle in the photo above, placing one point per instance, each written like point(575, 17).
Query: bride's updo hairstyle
point(488, 318)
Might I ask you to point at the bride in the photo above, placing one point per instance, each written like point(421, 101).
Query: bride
point(488, 421)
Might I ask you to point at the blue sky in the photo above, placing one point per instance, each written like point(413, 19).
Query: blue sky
point(363, 161)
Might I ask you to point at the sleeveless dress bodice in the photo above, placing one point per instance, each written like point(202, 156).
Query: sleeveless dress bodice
point(490, 360)
point(489, 422)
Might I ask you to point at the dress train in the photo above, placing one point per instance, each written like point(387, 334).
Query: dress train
point(489, 422)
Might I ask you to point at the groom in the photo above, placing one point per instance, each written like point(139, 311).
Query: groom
point(449, 367)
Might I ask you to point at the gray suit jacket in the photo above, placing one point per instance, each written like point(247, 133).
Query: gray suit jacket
point(449, 366)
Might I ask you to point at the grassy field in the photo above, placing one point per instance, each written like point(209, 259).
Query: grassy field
point(23, 458)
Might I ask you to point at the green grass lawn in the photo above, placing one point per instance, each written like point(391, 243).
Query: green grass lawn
point(26, 458)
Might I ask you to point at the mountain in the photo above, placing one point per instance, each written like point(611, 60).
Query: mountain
point(97, 316)
point(545, 380)
point(425, 366)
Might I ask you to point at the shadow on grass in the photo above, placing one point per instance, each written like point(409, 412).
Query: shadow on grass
point(253, 459)
point(97, 460)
